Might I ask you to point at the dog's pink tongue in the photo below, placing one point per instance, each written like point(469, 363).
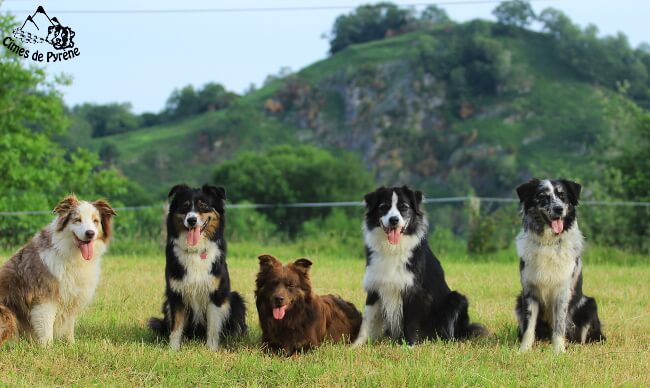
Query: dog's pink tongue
point(87, 250)
point(393, 236)
point(193, 236)
point(278, 312)
point(557, 226)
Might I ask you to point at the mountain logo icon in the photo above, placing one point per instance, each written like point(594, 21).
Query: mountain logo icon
point(39, 28)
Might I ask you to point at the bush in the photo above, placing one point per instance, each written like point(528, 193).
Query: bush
point(287, 174)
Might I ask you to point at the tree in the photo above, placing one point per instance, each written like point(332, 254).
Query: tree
point(214, 96)
point(34, 170)
point(515, 13)
point(287, 174)
point(183, 102)
point(367, 23)
point(434, 15)
point(187, 101)
point(108, 119)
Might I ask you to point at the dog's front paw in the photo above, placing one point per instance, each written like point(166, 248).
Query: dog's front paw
point(213, 344)
point(175, 343)
point(525, 346)
point(358, 343)
point(559, 345)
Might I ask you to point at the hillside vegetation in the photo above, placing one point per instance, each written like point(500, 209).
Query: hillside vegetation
point(453, 109)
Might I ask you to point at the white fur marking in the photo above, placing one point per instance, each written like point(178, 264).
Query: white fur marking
point(584, 332)
point(393, 212)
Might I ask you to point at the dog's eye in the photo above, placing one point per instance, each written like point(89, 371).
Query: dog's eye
point(275, 283)
point(96, 222)
point(76, 220)
point(203, 207)
point(384, 207)
point(403, 207)
point(291, 285)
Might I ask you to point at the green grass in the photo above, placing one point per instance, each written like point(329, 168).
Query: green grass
point(114, 348)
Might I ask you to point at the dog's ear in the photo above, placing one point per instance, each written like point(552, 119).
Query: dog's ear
point(371, 199)
point(303, 264)
point(176, 189)
point(573, 191)
point(106, 213)
point(415, 196)
point(216, 192)
point(527, 190)
point(66, 205)
point(268, 262)
point(63, 210)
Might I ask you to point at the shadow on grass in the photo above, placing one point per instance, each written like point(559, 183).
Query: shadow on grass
point(138, 332)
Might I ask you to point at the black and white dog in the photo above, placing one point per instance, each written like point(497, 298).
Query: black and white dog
point(408, 298)
point(198, 301)
point(552, 305)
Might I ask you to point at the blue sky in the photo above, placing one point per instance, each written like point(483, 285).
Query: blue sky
point(141, 58)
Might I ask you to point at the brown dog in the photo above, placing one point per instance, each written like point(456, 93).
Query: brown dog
point(49, 281)
point(295, 319)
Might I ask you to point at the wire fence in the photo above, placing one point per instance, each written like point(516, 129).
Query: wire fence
point(477, 224)
point(441, 200)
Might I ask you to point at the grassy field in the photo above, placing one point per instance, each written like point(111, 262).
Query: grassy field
point(114, 348)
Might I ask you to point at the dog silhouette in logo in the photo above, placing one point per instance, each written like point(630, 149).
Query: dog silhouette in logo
point(60, 37)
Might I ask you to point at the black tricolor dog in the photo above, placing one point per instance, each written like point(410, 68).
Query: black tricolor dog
point(551, 304)
point(408, 298)
point(198, 300)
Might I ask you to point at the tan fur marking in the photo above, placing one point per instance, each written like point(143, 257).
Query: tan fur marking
point(179, 319)
point(215, 281)
point(214, 223)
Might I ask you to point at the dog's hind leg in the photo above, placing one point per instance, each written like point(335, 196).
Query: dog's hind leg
point(67, 329)
point(8, 324)
point(585, 317)
point(527, 313)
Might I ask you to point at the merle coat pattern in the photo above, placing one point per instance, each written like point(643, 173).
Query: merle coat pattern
point(551, 304)
point(408, 298)
point(198, 300)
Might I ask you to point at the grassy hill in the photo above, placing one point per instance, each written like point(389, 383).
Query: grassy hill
point(454, 109)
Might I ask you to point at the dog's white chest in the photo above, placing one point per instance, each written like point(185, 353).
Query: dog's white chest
point(197, 284)
point(388, 276)
point(549, 265)
point(77, 279)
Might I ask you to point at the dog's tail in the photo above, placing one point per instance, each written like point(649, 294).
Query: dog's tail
point(8, 324)
point(236, 323)
point(458, 304)
point(159, 325)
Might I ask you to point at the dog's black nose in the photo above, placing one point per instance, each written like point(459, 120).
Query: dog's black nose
point(278, 300)
point(558, 209)
point(90, 234)
point(393, 221)
point(191, 221)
